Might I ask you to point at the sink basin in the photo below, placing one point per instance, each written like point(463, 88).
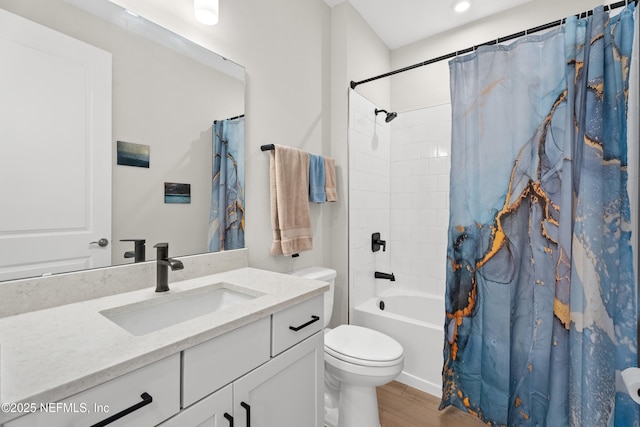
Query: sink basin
point(167, 310)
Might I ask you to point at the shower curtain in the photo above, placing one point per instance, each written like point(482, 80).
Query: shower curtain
point(226, 218)
point(541, 302)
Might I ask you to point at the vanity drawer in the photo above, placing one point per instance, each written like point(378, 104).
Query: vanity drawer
point(296, 323)
point(160, 381)
point(217, 362)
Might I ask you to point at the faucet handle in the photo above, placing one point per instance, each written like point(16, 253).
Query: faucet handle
point(163, 250)
point(139, 249)
point(136, 241)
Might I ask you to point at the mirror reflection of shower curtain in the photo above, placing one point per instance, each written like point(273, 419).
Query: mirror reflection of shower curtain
point(541, 313)
point(226, 218)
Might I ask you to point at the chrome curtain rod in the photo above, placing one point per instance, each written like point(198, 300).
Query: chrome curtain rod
point(492, 42)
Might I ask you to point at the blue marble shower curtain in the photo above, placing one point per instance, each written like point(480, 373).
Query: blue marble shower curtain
point(540, 303)
point(226, 218)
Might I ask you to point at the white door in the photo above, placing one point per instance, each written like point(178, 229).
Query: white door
point(55, 151)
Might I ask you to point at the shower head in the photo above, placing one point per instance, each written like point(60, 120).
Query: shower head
point(390, 116)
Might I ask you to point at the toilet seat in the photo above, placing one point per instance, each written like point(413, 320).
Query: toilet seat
point(363, 346)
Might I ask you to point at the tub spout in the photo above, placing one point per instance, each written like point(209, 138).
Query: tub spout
point(380, 275)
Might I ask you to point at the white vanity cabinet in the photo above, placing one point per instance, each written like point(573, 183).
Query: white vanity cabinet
point(268, 373)
point(151, 394)
point(275, 367)
point(284, 392)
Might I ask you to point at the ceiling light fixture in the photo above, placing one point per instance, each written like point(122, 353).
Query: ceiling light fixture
point(206, 11)
point(461, 5)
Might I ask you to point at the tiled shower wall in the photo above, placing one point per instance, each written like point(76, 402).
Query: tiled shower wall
point(398, 186)
point(369, 196)
point(420, 164)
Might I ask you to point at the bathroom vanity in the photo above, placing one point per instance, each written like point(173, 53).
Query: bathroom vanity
point(257, 356)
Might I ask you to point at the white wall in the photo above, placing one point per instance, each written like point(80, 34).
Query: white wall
point(356, 51)
point(429, 85)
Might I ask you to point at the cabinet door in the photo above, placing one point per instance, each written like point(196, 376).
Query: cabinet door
point(287, 391)
point(212, 411)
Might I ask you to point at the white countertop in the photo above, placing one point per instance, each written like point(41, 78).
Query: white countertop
point(49, 355)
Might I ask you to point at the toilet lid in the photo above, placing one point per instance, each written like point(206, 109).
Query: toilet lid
point(362, 345)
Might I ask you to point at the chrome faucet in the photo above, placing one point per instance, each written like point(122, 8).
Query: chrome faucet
point(163, 263)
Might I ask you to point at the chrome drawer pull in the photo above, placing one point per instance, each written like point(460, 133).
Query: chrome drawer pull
point(146, 399)
point(297, 328)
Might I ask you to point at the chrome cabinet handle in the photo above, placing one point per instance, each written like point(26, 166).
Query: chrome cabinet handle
point(146, 399)
point(102, 242)
point(297, 328)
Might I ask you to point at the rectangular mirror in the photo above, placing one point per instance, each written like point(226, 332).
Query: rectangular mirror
point(166, 92)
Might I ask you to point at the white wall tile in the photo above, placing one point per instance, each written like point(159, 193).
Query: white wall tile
point(399, 186)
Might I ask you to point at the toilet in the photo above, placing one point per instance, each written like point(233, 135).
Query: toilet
point(356, 360)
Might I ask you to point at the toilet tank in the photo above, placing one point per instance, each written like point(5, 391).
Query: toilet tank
point(326, 275)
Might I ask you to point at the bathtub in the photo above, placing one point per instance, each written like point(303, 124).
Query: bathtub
point(416, 321)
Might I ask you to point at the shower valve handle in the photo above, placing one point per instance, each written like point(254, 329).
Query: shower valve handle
point(376, 242)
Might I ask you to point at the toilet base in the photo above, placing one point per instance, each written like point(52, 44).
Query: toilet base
point(330, 417)
point(358, 406)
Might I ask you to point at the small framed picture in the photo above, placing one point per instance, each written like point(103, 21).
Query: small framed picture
point(175, 193)
point(131, 154)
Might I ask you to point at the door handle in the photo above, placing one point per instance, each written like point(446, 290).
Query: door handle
point(102, 242)
point(248, 409)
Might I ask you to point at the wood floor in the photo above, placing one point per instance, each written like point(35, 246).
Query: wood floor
point(403, 406)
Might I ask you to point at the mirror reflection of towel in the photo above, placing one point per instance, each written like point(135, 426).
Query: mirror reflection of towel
point(289, 191)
